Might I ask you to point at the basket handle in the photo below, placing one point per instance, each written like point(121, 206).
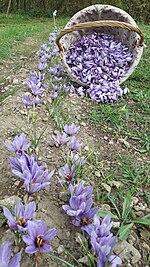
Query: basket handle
point(101, 23)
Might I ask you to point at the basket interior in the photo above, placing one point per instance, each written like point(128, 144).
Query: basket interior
point(102, 12)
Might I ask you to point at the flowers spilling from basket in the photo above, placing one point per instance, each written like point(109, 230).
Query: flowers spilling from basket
point(100, 61)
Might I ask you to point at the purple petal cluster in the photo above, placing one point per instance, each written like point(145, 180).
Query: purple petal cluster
point(71, 129)
point(60, 139)
point(77, 161)
point(22, 215)
point(5, 254)
point(19, 145)
point(56, 70)
point(38, 238)
point(36, 86)
point(81, 204)
point(67, 174)
point(74, 143)
point(102, 240)
point(99, 61)
point(32, 173)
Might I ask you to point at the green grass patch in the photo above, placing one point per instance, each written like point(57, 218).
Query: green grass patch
point(14, 29)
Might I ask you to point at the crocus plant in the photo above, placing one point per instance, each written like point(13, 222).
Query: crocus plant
point(38, 237)
point(5, 255)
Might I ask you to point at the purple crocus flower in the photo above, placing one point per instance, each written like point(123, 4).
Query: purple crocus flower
point(71, 129)
point(60, 139)
point(5, 254)
point(81, 190)
point(36, 100)
point(19, 145)
point(20, 164)
point(74, 144)
point(102, 240)
point(22, 215)
point(81, 204)
point(66, 173)
point(77, 161)
point(54, 95)
point(26, 100)
point(42, 66)
point(38, 237)
point(36, 178)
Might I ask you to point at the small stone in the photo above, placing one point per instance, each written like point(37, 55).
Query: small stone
point(60, 249)
point(127, 252)
point(86, 148)
point(16, 249)
point(116, 184)
point(105, 207)
point(139, 213)
point(15, 81)
point(124, 142)
point(97, 174)
point(115, 224)
point(63, 196)
point(135, 200)
point(105, 138)
point(10, 201)
point(145, 234)
point(22, 112)
point(144, 245)
point(83, 124)
point(84, 260)
point(140, 207)
point(111, 142)
point(68, 234)
point(107, 187)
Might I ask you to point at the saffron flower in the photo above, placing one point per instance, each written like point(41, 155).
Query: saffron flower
point(102, 240)
point(60, 139)
point(71, 129)
point(81, 204)
point(5, 254)
point(77, 161)
point(54, 95)
point(19, 145)
point(74, 144)
point(38, 237)
point(81, 190)
point(26, 100)
point(22, 215)
point(66, 173)
point(35, 178)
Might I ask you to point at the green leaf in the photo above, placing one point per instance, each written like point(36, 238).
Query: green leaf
point(103, 214)
point(124, 231)
point(126, 206)
point(144, 220)
point(61, 260)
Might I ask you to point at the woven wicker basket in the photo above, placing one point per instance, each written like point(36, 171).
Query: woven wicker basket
point(102, 19)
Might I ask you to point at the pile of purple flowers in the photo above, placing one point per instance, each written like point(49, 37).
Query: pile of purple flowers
point(99, 61)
